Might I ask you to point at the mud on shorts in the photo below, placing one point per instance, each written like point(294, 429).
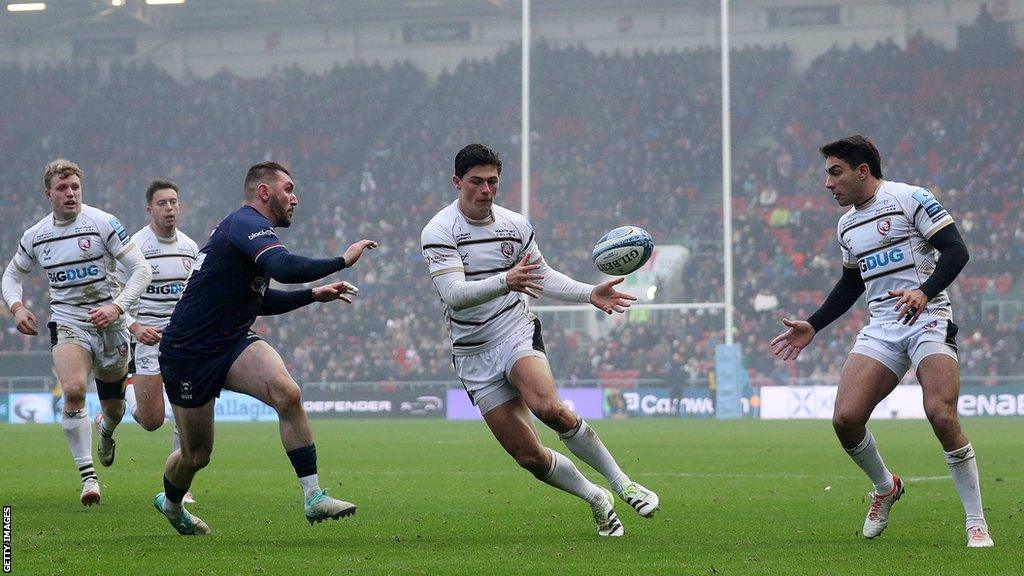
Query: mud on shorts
point(109, 347)
point(486, 375)
point(900, 346)
point(192, 382)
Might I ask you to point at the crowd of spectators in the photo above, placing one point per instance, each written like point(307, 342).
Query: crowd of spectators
point(618, 138)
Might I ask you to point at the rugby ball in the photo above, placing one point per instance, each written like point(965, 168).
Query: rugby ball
point(623, 250)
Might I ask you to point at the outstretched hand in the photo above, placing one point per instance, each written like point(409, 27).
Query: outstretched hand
point(354, 251)
point(335, 291)
point(792, 341)
point(523, 277)
point(607, 299)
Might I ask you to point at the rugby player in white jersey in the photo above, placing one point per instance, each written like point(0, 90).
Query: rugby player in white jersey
point(77, 245)
point(900, 245)
point(170, 253)
point(484, 263)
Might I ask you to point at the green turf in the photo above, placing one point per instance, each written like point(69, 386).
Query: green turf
point(437, 497)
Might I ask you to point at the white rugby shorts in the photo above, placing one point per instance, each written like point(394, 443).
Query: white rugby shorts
point(900, 346)
point(486, 375)
point(109, 347)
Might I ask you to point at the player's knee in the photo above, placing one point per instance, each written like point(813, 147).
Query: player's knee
point(843, 422)
point(555, 414)
point(150, 422)
point(287, 398)
point(532, 460)
point(74, 394)
point(196, 459)
point(941, 416)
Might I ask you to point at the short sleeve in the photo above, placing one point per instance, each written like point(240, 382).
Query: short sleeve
point(928, 215)
point(439, 250)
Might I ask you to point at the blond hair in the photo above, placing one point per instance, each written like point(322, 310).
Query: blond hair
point(62, 169)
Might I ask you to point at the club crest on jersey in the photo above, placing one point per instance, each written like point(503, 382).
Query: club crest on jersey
point(507, 249)
point(84, 243)
point(884, 226)
point(186, 263)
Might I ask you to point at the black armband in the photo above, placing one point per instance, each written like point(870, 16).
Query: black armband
point(845, 293)
point(953, 257)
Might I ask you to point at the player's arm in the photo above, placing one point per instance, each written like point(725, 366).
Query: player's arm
point(284, 301)
point(139, 276)
point(288, 268)
point(604, 296)
point(953, 256)
point(842, 297)
point(13, 288)
point(799, 333)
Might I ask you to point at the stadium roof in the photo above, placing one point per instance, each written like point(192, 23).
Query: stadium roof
point(100, 17)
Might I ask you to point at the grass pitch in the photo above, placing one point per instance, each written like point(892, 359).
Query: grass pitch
point(437, 497)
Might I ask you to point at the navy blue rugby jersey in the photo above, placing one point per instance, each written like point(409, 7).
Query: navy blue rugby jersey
point(224, 291)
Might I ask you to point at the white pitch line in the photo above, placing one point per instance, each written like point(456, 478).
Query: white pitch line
point(790, 476)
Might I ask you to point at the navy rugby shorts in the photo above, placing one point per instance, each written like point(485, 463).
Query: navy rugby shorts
point(192, 382)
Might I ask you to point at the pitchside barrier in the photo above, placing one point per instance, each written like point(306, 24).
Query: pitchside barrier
point(593, 403)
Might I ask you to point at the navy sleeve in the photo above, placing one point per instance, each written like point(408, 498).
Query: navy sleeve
point(845, 293)
point(283, 301)
point(253, 234)
point(953, 257)
point(289, 268)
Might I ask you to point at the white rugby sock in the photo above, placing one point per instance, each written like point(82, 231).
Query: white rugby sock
point(175, 439)
point(867, 457)
point(587, 446)
point(310, 484)
point(131, 401)
point(565, 476)
point(78, 433)
point(964, 469)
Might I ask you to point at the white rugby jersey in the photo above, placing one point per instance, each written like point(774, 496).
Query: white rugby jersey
point(451, 243)
point(171, 261)
point(79, 258)
point(888, 241)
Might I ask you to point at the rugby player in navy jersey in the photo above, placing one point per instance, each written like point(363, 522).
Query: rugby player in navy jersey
point(208, 344)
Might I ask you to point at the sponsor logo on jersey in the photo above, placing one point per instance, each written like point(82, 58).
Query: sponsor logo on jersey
point(884, 226)
point(122, 350)
point(264, 232)
point(155, 267)
point(73, 273)
point(881, 259)
point(465, 258)
point(435, 258)
point(173, 288)
point(119, 230)
point(931, 205)
point(259, 284)
point(84, 243)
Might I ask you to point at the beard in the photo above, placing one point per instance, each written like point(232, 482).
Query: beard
point(282, 214)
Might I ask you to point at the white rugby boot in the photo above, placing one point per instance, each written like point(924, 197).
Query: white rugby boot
point(878, 513)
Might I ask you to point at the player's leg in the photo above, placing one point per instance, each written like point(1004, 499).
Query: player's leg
point(147, 403)
point(940, 384)
point(110, 353)
point(196, 428)
point(864, 382)
point(259, 372)
point(71, 363)
point(511, 425)
point(110, 389)
point(531, 375)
